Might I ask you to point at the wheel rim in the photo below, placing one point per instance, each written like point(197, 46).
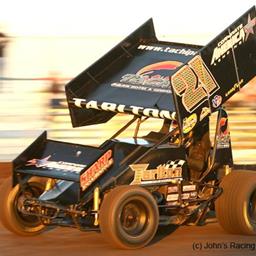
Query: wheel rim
point(252, 207)
point(29, 191)
point(134, 217)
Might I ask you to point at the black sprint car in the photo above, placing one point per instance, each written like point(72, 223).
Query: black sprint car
point(126, 188)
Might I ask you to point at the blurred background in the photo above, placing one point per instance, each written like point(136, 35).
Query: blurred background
point(46, 43)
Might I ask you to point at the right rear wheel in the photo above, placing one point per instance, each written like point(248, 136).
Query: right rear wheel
point(236, 207)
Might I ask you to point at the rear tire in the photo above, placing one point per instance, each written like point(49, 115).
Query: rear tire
point(129, 217)
point(10, 215)
point(236, 207)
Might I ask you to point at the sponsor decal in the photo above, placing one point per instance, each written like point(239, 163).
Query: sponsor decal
point(182, 51)
point(204, 113)
point(223, 136)
point(185, 188)
point(190, 192)
point(175, 197)
point(189, 123)
point(121, 108)
point(151, 78)
point(189, 188)
point(234, 88)
point(235, 38)
point(216, 101)
point(168, 172)
point(96, 170)
point(55, 165)
point(172, 189)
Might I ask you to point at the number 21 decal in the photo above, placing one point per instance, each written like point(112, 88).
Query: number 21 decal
point(194, 83)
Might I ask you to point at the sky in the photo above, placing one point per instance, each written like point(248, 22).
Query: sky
point(117, 17)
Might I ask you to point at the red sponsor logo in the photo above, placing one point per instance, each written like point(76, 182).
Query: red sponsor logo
point(96, 170)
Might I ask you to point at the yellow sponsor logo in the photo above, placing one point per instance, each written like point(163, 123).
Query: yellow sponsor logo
point(189, 123)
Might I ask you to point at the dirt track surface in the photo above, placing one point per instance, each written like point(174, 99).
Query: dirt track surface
point(181, 240)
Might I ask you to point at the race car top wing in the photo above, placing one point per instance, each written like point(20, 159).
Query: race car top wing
point(217, 72)
point(132, 78)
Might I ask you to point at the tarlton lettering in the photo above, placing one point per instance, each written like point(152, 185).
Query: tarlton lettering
point(136, 110)
point(168, 172)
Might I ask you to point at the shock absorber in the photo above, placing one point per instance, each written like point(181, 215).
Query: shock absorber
point(96, 205)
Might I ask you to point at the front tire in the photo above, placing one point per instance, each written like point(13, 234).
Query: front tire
point(236, 207)
point(129, 217)
point(10, 200)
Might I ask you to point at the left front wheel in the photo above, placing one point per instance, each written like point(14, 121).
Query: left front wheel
point(11, 199)
point(129, 217)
